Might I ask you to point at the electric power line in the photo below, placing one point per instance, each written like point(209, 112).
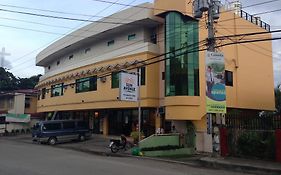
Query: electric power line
point(221, 21)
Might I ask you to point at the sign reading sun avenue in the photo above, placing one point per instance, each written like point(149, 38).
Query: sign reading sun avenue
point(215, 83)
point(128, 87)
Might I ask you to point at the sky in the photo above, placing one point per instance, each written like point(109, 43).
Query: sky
point(24, 36)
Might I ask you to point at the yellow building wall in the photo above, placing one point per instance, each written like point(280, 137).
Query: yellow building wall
point(105, 96)
point(183, 6)
point(251, 65)
point(33, 105)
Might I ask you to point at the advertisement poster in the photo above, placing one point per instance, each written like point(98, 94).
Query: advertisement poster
point(215, 83)
point(128, 87)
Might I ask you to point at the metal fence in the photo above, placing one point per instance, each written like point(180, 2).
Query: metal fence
point(252, 136)
point(254, 20)
point(253, 122)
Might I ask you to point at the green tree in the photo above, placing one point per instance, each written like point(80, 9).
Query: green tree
point(8, 82)
point(28, 83)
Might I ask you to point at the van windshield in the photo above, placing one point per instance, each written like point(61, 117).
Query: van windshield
point(36, 127)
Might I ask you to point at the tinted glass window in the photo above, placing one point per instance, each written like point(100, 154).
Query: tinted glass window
point(57, 90)
point(43, 93)
point(228, 78)
point(115, 80)
point(68, 125)
point(51, 126)
point(86, 84)
point(182, 64)
point(82, 124)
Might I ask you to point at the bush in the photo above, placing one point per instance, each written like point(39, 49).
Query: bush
point(259, 145)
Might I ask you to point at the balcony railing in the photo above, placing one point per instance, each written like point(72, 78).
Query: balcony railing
point(254, 20)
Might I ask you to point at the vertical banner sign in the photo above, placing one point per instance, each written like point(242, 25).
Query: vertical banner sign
point(215, 83)
point(128, 87)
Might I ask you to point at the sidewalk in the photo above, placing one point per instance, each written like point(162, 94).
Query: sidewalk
point(98, 145)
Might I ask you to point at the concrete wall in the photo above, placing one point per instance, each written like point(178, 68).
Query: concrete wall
point(19, 100)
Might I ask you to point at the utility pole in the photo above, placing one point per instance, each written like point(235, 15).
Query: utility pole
point(212, 57)
point(211, 31)
point(211, 48)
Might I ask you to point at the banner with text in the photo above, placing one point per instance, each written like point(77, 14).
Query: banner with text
point(128, 86)
point(215, 83)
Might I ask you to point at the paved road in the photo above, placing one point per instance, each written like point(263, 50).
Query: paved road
point(19, 158)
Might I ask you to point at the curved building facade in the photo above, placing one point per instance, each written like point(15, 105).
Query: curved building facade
point(162, 39)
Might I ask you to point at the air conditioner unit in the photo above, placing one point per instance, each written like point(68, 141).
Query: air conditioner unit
point(103, 79)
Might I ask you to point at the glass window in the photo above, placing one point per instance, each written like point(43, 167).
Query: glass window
point(114, 80)
point(142, 75)
point(52, 126)
point(131, 37)
point(27, 103)
point(68, 125)
point(43, 93)
point(228, 78)
point(182, 68)
point(57, 90)
point(86, 84)
point(82, 125)
point(87, 50)
point(153, 36)
point(110, 43)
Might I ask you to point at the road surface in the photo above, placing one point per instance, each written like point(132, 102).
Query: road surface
point(19, 158)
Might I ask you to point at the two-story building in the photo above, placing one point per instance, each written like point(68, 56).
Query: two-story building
point(18, 110)
point(81, 70)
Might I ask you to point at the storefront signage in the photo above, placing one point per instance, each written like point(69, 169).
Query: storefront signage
point(128, 87)
point(18, 118)
point(215, 83)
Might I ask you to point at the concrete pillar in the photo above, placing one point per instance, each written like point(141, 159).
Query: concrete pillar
point(105, 126)
point(157, 121)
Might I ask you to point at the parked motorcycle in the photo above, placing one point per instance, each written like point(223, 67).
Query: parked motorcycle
point(118, 144)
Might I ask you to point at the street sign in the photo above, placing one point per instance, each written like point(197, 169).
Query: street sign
point(128, 87)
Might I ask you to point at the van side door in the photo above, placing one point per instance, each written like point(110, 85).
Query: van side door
point(69, 130)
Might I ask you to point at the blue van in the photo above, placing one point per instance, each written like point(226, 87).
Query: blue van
point(55, 131)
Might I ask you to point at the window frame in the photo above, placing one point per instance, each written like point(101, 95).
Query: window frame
point(110, 43)
point(43, 94)
point(92, 84)
point(115, 76)
point(228, 82)
point(55, 87)
point(132, 37)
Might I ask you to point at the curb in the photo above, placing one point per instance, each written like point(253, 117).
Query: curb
point(214, 164)
point(194, 163)
point(239, 167)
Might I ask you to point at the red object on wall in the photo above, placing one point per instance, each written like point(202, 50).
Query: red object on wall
point(223, 142)
point(278, 145)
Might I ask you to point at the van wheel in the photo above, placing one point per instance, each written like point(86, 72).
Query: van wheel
point(52, 141)
point(82, 138)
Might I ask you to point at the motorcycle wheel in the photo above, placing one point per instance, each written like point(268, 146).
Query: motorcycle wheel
point(114, 148)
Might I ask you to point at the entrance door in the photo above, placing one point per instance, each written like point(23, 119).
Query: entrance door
point(190, 135)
